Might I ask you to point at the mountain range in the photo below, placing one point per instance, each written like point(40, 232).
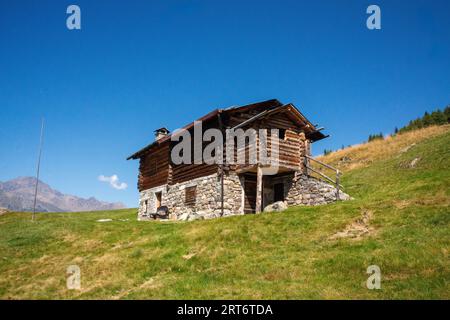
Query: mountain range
point(18, 195)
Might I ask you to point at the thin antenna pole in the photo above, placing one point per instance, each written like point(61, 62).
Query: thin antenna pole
point(38, 167)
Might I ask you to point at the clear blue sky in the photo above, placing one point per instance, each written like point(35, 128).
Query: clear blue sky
point(139, 65)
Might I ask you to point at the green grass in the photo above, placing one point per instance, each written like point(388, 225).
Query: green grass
point(284, 255)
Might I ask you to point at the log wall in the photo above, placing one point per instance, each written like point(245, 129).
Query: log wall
point(156, 168)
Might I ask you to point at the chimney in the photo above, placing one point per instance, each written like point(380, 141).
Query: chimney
point(161, 133)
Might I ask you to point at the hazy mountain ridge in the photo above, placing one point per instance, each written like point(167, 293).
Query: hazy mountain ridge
point(18, 195)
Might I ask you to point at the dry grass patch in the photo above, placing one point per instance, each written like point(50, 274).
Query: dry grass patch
point(357, 229)
point(362, 155)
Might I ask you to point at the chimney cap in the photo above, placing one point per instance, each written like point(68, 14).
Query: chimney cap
point(162, 130)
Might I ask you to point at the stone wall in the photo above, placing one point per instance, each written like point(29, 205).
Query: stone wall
point(299, 189)
point(233, 194)
point(147, 200)
point(208, 197)
point(173, 196)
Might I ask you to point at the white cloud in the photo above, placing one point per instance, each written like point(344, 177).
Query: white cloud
point(113, 181)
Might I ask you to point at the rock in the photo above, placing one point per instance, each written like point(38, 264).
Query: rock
point(189, 256)
point(212, 215)
point(413, 163)
point(183, 217)
point(407, 148)
point(227, 205)
point(345, 159)
point(276, 207)
point(227, 213)
point(194, 216)
point(104, 220)
point(344, 196)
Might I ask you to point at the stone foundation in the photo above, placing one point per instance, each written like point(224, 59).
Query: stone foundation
point(298, 190)
point(304, 190)
point(208, 198)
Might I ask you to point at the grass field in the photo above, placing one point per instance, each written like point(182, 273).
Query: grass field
point(288, 255)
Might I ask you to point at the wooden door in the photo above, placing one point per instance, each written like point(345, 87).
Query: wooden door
point(249, 194)
point(278, 192)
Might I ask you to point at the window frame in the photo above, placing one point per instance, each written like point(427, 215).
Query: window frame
point(190, 195)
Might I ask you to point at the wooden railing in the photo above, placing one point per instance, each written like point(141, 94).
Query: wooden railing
point(335, 181)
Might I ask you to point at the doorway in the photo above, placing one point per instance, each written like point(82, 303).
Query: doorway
point(158, 199)
point(278, 192)
point(249, 193)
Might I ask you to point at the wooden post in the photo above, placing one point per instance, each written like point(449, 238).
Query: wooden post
point(221, 190)
point(259, 177)
point(307, 154)
point(305, 162)
point(337, 185)
point(221, 166)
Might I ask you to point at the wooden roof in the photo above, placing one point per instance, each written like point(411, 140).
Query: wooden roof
point(268, 107)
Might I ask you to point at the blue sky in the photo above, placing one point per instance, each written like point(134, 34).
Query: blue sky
point(139, 65)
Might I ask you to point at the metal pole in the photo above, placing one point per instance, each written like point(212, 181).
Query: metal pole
point(37, 171)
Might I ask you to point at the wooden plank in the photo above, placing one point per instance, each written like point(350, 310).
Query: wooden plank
point(154, 169)
point(324, 175)
point(249, 193)
point(259, 176)
point(322, 163)
point(190, 195)
point(181, 173)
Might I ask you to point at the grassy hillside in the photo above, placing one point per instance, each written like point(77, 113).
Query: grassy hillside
point(400, 220)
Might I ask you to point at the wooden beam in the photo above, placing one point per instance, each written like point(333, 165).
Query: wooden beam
point(322, 163)
point(325, 176)
point(259, 176)
point(337, 187)
point(221, 166)
point(250, 168)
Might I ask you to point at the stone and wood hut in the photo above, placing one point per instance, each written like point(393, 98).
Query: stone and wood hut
point(220, 189)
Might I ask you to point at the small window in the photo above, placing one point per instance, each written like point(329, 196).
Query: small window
point(145, 206)
point(282, 134)
point(190, 195)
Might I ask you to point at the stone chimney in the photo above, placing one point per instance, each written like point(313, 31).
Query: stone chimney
point(161, 133)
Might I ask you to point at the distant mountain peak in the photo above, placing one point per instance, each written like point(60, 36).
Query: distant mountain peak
point(18, 195)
